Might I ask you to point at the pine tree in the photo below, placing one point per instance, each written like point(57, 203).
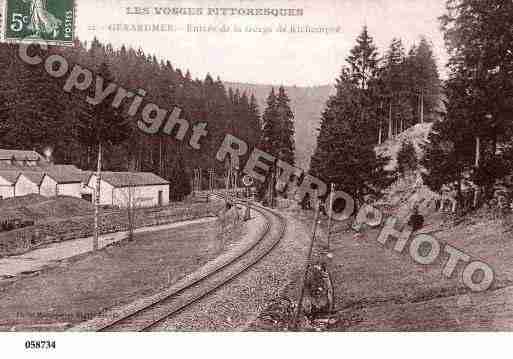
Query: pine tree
point(277, 136)
point(393, 89)
point(254, 122)
point(363, 61)
point(101, 125)
point(345, 152)
point(363, 67)
point(33, 103)
point(271, 129)
point(479, 90)
point(286, 127)
point(446, 157)
point(36, 112)
point(423, 82)
point(5, 92)
point(344, 155)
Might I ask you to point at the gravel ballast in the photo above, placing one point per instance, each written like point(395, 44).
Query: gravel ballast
point(235, 306)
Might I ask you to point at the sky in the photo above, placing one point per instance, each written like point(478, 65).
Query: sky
point(302, 59)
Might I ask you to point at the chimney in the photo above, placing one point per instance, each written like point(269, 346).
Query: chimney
point(48, 151)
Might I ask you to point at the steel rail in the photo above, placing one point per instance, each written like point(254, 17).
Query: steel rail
point(150, 316)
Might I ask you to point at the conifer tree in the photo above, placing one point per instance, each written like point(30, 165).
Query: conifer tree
point(286, 127)
point(101, 125)
point(423, 82)
point(270, 128)
point(254, 122)
point(363, 60)
point(344, 155)
point(479, 92)
point(37, 112)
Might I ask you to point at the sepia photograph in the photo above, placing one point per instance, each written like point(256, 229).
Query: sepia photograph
point(255, 167)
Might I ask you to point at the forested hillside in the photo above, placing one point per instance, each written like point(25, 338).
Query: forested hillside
point(306, 103)
point(468, 148)
point(36, 113)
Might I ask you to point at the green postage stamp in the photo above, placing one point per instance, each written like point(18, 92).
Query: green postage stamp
point(51, 21)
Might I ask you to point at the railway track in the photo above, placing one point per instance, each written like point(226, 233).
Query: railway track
point(149, 317)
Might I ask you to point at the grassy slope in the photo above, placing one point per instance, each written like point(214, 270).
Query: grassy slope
point(377, 289)
point(75, 290)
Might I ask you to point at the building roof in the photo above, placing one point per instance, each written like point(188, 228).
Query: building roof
point(63, 174)
point(10, 176)
point(34, 177)
point(20, 155)
point(129, 179)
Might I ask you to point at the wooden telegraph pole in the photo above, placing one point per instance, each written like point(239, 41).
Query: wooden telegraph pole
point(332, 192)
point(390, 126)
point(236, 182)
point(96, 234)
point(228, 175)
point(210, 182)
point(422, 106)
point(200, 179)
point(307, 265)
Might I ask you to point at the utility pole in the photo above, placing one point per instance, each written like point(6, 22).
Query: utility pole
point(478, 151)
point(210, 182)
point(161, 168)
point(236, 182)
point(332, 192)
point(422, 106)
point(380, 132)
point(194, 181)
point(200, 179)
point(247, 182)
point(307, 265)
point(227, 183)
point(390, 127)
point(96, 234)
point(273, 183)
point(380, 135)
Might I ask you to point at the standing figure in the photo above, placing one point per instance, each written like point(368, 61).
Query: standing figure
point(416, 220)
point(42, 22)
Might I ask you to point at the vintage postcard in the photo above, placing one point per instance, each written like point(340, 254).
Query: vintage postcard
point(255, 166)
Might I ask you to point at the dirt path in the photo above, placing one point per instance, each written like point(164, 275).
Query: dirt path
point(41, 258)
point(87, 285)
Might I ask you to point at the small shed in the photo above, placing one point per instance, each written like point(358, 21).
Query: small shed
point(141, 189)
point(28, 183)
point(62, 180)
point(7, 182)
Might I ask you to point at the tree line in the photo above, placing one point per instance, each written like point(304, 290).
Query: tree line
point(472, 146)
point(377, 97)
point(36, 113)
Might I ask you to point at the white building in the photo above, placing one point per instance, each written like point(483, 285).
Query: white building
point(26, 172)
point(62, 180)
point(142, 189)
point(28, 183)
point(7, 182)
point(47, 180)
